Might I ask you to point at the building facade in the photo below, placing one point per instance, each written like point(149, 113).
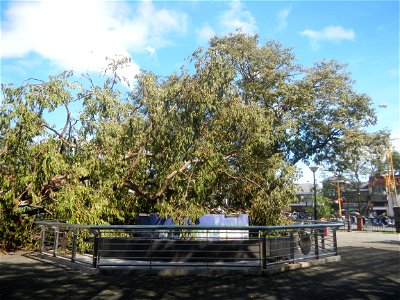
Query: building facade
point(383, 196)
point(305, 198)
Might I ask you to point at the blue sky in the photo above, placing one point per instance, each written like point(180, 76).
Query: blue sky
point(39, 38)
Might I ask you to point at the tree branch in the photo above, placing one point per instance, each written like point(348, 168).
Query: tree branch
point(247, 179)
point(150, 196)
point(69, 116)
point(313, 149)
point(137, 189)
point(168, 179)
point(59, 135)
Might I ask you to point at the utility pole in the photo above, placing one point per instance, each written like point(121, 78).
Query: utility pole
point(391, 188)
point(314, 169)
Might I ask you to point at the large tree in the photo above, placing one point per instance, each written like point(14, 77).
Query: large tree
point(310, 109)
point(226, 134)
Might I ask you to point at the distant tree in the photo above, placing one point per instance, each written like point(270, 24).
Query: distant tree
point(324, 207)
point(362, 155)
point(396, 161)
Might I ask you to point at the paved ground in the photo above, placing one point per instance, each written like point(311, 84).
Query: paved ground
point(370, 269)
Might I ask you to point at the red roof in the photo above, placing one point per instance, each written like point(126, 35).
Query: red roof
point(381, 181)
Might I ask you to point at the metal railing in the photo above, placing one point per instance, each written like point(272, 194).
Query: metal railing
point(207, 247)
point(369, 225)
point(376, 224)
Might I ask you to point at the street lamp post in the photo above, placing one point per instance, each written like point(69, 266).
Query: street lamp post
point(348, 215)
point(314, 169)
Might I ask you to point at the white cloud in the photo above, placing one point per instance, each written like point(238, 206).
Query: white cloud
point(282, 18)
point(329, 33)
point(307, 175)
point(205, 33)
point(395, 139)
point(237, 18)
point(151, 50)
point(80, 34)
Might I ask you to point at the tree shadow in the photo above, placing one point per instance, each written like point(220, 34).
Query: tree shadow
point(391, 242)
point(363, 273)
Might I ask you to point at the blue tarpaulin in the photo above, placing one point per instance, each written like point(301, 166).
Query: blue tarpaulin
point(153, 219)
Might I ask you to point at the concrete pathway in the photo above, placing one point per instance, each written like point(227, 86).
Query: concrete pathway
point(370, 269)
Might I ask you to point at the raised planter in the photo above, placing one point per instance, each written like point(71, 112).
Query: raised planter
point(175, 250)
point(279, 248)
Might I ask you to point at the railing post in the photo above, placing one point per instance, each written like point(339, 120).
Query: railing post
point(42, 239)
point(264, 250)
point(56, 235)
point(292, 246)
point(151, 247)
point(316, 250)
point(207, 249)
point(335, 240)
point(96, 236)
point(74, 239)
point(323, 238)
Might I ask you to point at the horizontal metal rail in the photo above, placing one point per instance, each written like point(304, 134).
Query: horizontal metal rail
point(369, 226)
point(209, 247)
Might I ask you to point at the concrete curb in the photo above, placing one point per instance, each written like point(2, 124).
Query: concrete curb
point(62, 262)
point(85, 268)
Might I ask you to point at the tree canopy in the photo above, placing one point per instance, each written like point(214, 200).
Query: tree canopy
point(362, 154)
point(227, 134)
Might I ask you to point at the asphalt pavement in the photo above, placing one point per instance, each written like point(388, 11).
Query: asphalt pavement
point(369, 269)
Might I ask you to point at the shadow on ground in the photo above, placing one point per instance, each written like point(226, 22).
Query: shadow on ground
point(363, 273)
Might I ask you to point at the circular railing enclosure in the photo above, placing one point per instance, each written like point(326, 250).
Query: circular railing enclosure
point(188, 247)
